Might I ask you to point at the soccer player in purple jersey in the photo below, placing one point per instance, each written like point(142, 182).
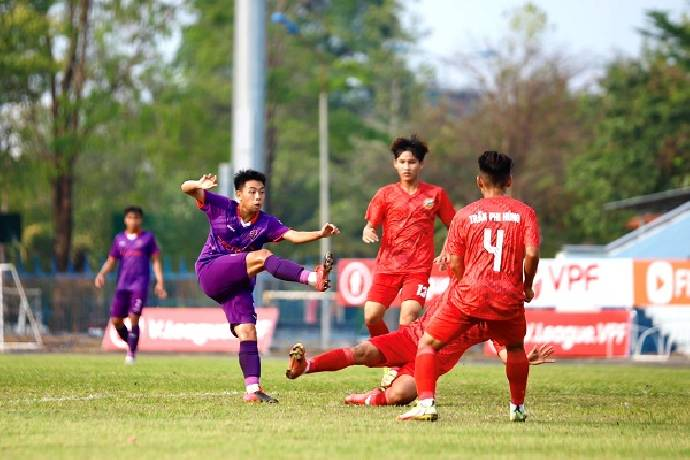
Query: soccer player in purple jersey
point(134, 249)
point(233, 256)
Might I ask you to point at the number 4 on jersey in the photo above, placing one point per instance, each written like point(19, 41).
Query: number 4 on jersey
point(497, 249)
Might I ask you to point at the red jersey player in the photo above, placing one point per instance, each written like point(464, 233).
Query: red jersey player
point(406, 210)
point(399, 348)
point(493, 246)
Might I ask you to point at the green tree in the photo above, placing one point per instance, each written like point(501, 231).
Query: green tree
point(641, 142)
point(71, 69)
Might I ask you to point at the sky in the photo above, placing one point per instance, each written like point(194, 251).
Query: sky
point(593, 31)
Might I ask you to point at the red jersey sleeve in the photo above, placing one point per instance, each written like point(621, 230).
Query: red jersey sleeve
point(532, 231)
point(456, 237)
point(376, 211)
point(446, 211)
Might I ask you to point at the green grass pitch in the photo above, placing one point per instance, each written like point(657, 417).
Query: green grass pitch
point(92, 406)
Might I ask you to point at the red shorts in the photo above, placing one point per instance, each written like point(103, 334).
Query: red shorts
point(398, 347)
point(385, 287)
point(449, 322)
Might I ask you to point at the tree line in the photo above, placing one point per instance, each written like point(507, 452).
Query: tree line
point(96, 113)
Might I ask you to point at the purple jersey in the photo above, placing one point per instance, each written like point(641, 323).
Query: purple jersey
point(229, 235)
point(134, 256)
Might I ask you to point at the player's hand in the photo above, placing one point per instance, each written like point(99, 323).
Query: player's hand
point(529, 294)
point(329, 230)
point(99, 282)
point(442, 261)
point(369, 235)
point(208, 181)
point(160, 291)
point(541, 354)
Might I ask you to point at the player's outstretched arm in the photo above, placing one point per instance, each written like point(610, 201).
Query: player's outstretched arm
point(530, 268)
point(109, 264)
point(296, 237)
point(540, 354)
point(369, 234)
point(197, 188)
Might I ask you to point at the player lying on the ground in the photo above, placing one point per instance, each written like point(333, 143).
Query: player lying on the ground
point(233, 256)
point(133, 249)
point(399, 348)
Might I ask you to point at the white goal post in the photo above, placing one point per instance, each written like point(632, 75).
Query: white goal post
point(24, 313)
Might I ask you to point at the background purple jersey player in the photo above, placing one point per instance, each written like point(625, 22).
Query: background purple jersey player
point(233, 256)
point(134, 250)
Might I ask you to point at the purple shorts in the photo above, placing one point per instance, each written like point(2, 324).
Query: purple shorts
point(126, 302)
point(225, 280)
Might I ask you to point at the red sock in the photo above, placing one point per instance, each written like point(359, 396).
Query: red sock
point(378, 328)
point(517, 370)
point(379, 398)
point(333, 360)
point(426, 373)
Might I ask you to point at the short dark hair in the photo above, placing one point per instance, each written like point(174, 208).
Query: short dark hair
point(242, 177)
point(496, 167)
point(134, 209)
point(414, 145)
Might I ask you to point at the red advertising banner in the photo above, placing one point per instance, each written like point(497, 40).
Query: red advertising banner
point(191, 330)
point(602, 334)
point(355, 277)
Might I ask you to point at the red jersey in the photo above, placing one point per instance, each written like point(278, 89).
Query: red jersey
point(491, 235)
point(407, 244)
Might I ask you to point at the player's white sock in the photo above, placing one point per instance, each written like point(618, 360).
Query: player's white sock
point(517, 406)
point(425, 402)
point(312, 279)
point(253, 388)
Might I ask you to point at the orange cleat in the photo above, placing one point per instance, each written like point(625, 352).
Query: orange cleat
point(298, 363)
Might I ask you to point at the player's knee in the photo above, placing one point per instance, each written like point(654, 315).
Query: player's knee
point(365, 353)
point(373, 314)
point(258, 258)
point(396, 395)
point(117, 322)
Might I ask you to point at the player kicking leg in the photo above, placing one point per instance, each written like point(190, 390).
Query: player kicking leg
point(233, 256)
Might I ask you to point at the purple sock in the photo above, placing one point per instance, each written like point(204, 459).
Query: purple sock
point(250, 362)
point(284, 269)
point(133, 339)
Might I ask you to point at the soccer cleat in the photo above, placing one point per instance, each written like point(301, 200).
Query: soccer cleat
point(130, 359)
point(518, 413)
point(297, 363)
point(259, 397)
point(423, 413)
point(322, 272)
point(363, 399)
point(389, 375)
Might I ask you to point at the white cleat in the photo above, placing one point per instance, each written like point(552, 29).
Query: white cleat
point(130, 360)
point(517, 413)
point(425, 412)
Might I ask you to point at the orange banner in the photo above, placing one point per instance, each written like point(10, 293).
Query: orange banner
point(661, 282)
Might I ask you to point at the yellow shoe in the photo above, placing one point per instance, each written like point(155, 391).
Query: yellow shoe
point(423, 411)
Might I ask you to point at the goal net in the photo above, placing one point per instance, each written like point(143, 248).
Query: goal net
point(19, 329)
